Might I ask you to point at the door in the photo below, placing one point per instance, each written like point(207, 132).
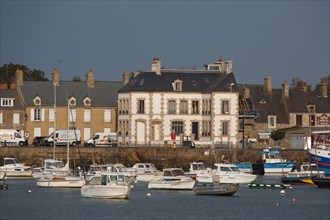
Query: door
point(195, 130)
point(140, 132)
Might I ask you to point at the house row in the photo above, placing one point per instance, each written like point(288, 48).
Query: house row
point(165, 107)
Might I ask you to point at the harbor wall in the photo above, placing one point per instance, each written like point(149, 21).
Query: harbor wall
point(161, 157)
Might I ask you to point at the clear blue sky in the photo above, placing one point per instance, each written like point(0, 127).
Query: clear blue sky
point(281, 39)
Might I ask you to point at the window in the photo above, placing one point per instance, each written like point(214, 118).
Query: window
point(123, 127)
point(73, 115)
point(195, 107)
point(177, 85)
point(16, 118)
point(271, 121)
point(51, 114)
point(37, 114)
point(141, 106)
point(7, 102)
point(87, 133)
point(1, 118)
point(312, 120)
point(171, 107)
point(37, 100)
point(87, 101)
point(206, 107)
point(225, 128)
point(107, 115)
point(72, 101)
point(87, 115)
point(177, 127)
point(206, 128)
point(299, 120)
point(225, 107)
point(37, 132)
point(311, 109)
point(183, 107)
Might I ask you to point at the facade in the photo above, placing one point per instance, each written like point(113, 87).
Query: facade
point(90, 106)
point(167, 106)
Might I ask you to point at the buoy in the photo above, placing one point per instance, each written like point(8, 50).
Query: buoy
point(294, 199)
point(277, 204)
point(282, 191)
point(29, 191)
point(148, 194)
point(290, 187)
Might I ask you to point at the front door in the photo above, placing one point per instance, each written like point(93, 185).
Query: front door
point(195, 130)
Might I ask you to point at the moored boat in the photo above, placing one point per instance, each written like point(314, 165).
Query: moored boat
point(274, 164)
point(13, 168)
point(51, 167)
point(146, 171)
point(195, 169)
point(215, 188)
point(322, 182)
point(320, 155)
point(307, 171)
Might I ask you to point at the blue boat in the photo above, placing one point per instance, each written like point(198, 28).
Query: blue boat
point(274, 163)
point(320, 155)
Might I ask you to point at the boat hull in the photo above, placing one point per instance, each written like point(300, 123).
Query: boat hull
point(322, 182)
point(146, 177)
point(219, 189)
point(172, 184)
point(236, 178)
point(321, 157)
point(278, 168)
point(18, 173)
point(62, 182)
point(105, 191)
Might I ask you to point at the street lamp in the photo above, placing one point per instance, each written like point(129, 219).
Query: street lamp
point(230, 90)
point(54, 132)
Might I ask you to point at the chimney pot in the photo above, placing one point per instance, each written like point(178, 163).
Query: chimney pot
point(125, 78)
point(155, 66)
point(56, 77)
point(90, 79)
point(19, 77)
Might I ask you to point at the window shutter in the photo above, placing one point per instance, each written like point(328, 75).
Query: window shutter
point(51, 114)
point(32, 114)
point(1, 118)
point(107, 115)
point(42, 114)
point(16, 118)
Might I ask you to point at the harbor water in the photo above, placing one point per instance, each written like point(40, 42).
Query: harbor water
point(25, 200)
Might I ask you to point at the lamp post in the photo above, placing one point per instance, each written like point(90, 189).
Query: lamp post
point(54, 133)
point(230, 90)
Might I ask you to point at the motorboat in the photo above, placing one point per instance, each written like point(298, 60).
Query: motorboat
point(61, 182)
point(227, 173)
point(95, 170)
point(51, 167)
point(196, 168)
point(128, 172)
point(307, 171)
point(321, 182)
point(108, 185)
point(173, 178)
point(320, 155)
point(215, 187)
point(146, 171)
point(2, 175)
point(14, 168)
point(273, 163)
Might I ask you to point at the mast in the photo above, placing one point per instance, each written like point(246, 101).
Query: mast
point(67, 142)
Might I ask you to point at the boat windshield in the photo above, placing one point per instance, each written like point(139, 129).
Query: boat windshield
point(198, 167)
point(234, 169)
point(11, 161)
point(177, 173)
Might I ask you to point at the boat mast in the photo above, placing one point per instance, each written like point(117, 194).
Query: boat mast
point(67, 142)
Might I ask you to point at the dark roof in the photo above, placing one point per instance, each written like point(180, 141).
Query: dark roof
point(11, 93)
point(103, 94)
point(192, 81)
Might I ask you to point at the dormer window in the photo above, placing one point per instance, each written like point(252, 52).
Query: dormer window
point(311, 109)
point(87, 101)
point(177, 85)
point(7, 102)
point(37, 100)
point(72, 101)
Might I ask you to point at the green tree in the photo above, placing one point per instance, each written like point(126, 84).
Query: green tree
point(297, 83)
point(76, 79)
point(7, 73)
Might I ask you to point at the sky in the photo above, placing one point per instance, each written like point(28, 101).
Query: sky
point(281, 39)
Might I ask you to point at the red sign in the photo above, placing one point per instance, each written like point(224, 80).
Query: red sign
point(323, 120)
point(173, 136)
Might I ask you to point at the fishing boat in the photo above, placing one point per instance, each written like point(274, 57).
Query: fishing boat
point(108, 185)
point(215, 187)
point(320, 155)
point(273, 163)
point(173, 178)
point(307, 171)
point(14, 168)
point(227, 173)
point(322, 182)
point(146, 171)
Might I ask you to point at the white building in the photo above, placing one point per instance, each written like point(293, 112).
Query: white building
point(200, 105)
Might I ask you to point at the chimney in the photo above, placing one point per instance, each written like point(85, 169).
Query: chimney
point(268, 84)
point(246, 92)
point(324, 88)
point(125, 78)
point(155, 66)
point(303, 86)
point(19, 77)
point(229, 66)
point(285, 90)
point(90, 79)
point(56, 77)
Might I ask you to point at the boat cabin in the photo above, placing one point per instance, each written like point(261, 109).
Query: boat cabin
point(272, 156)
point(227, 168)
point(197, 167)
point(173, 172)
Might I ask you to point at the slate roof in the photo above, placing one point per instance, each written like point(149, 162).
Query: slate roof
point(192, 81)
point(104, 93)
point(11, 93)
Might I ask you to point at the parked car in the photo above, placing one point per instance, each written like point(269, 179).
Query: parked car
point(38, 141)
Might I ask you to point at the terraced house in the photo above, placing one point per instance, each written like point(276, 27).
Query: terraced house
point(168, 106)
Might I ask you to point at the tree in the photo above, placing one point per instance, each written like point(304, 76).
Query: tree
point(298, 84)
point(7, 73)
point(76, 79)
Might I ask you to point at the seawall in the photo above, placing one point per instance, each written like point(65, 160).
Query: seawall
point(161, 157)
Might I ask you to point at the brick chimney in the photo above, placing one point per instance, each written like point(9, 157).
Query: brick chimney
point(303, 86)
point(285, 90)
point(125, 78)
point(268, 84)
point(229, 66)
point(155, 66)
point(56, 77)
point(324, 88)
point(246, 92)
point(90, 79)
point(19, 77)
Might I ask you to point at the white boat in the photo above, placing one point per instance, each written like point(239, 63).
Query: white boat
point(196, 168)
point(320, 155)
point(227, 173)
point(108, 185)
point(146, 171)
point(51, 168)
point(61, 182)
point(274, 164)
point(128, 172)
point(173, 178)
point(13, 168)
point(307, 171)
point(95, 170)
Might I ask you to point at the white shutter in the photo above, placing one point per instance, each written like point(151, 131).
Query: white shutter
point(107, 130)
point(50, 130)
point(87, 133)
point(51, 114)
point(16, 118)
point(37, 132)
point(1, 118)
point(87, 115)
point(72, 115)
point(107, 115)
point(42, 114)
point(32, 114)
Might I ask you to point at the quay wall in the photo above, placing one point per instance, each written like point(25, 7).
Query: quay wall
point(161, 157)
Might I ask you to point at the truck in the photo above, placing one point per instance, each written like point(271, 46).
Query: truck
point(11, 137)
point(102, 139)
point(63, 137)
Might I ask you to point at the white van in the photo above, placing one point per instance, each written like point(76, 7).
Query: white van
point(11, 137)
point(62, 138)
point(102, 139)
